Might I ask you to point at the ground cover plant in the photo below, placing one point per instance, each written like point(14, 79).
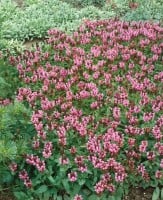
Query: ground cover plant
point(97, 105)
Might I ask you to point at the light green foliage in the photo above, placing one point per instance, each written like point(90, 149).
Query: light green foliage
point(10, 115)
point(120, 7)
point(92, 12)
point(147, 10)
point(83, 3)
point(7, 9)
point(30, 2)
point(12, 46)
point(35, 20)
point(8, 150)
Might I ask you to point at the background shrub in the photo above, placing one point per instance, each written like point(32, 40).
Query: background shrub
point(16, 133)
point(35, 20)
point(146, 10)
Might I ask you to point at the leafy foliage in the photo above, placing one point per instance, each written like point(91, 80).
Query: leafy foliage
point(84, 3)
point(35, 20)
point(146, 10)
point(9, 81)
point(16, 133)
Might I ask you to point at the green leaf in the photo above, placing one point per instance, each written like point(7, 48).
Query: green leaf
point(76, 189)
point(66, 185)
point(59, 198)
point(46, 195)
point(20, 195)
point(119, 193)
point(51, 179)
point(42, 189)
point(112, 198)
point(156, 194)
point(86, 192)
point(162, 194)
point(81, 182)
point(93, 197)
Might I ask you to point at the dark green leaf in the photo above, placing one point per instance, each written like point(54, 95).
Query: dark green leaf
point(51, 179)
point(42, 189)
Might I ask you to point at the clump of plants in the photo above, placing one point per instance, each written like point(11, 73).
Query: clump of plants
point(144, 10)
point(97, 105)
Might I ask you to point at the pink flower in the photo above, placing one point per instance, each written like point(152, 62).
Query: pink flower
point(23, 175)
point(100, 186)
point(148, 116)
point(28, 183)
point(41, 166)
point(78, 197)
point(161, 163)
point(111, 188)
point(13, 166)
point(120, 177)
point(72, 176)
point(143, 146)
point(151, 155)
point(131, 142)
point(116, 113)
point(63, 161)
point(159, 174)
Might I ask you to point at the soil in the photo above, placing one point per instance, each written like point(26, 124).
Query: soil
point(140, 194)
point(6, 195)
point(30, 43)
point(134, 194)
point(19, 2)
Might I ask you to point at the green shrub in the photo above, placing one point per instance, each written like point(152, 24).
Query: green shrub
point(16, 133)
point(146, 10)
point(92, 12)
point(9, 81)
point(35, 20)
point(7, 9)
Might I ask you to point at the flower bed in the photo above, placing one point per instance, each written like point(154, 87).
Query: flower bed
point(97, 110)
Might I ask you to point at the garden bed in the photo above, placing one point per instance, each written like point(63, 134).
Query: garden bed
point(81, 114)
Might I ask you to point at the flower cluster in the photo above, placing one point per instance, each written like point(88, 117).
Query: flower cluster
point(5, 102)
point(23, 175)
point(97, 100)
